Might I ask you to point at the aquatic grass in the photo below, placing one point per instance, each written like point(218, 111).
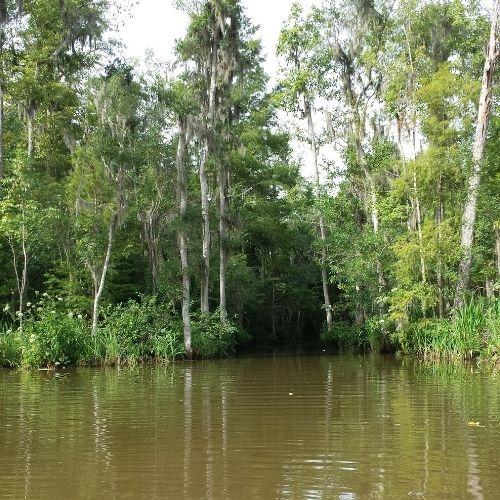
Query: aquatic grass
point(168, 344)
point(472, 331)
point(10, 348)
point(492, 332)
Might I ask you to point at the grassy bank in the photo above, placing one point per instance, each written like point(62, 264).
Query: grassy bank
point(136, 332)
point(52, 335)
point(472, 332)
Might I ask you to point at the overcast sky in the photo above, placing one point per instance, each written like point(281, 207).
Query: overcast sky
point(156, 24)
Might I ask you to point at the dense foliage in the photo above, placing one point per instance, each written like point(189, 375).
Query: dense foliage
point(151, 217)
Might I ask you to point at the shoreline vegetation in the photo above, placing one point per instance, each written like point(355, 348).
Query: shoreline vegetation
point(147, 332)
point(161, 210)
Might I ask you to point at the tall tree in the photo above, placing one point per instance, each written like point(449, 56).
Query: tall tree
point(301, 82)
point(105, 164)
point(182, 195)
point(470, 208)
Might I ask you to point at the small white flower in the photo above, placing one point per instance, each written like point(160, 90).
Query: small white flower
point(80, 316)
point(28, 304)
point(59, 299)
point(70, 314)
point(45, 294)
point(52, 312)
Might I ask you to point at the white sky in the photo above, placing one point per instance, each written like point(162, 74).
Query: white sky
point(156, 24)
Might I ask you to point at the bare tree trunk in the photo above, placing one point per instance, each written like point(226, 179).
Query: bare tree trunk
point(99, 282)
point(273, 312)
point(31, 128)
point(205, 206)
point(359, 313)
point(1, 135)
point(357, 130)
point(205, 213)
point(469, 213)
point(181, 233)
point(324, 275)
point(418, 217)
point(419, 230)
point(440, 215)
point(372, 193)
point(22, 279)
point(488, 287)
point(3, 20)
point(24, 276)
point(497, 249)
point(223, 181)
point(152, 228)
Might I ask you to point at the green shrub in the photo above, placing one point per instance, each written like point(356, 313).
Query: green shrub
point(370, 335)
point(136, 331)
point(211, 338)
point(346, 336)
point(51, 337)
point(10, 348)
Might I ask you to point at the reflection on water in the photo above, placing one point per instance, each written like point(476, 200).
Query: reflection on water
point(283, 427)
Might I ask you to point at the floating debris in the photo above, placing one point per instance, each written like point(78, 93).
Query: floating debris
point(474, 424)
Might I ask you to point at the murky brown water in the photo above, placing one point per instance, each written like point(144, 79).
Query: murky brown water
point(283, 427)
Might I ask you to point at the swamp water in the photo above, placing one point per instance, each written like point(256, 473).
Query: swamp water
point(265, 427)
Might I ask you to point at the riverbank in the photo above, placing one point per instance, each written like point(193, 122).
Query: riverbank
point(150, 332)
point(472, 332)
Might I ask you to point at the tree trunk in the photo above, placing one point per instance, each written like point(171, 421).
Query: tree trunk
point(223, 181)
point(181, 233)
point(3, 20)
point(497, 249)
point(359, 313)
point(488, 288)
point(205, 213)
point(358, 132)
point(31, 128)
point(469, 213)
point(205, 206)
point(324, 275)
point(20, 280)
point(99, 283)
point(372, 193)
point(24, 276)
point(418, 219)
point(440, 215)
point(152, 228)
point(1, 135)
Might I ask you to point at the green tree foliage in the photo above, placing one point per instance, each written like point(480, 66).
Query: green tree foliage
point(94, 205)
